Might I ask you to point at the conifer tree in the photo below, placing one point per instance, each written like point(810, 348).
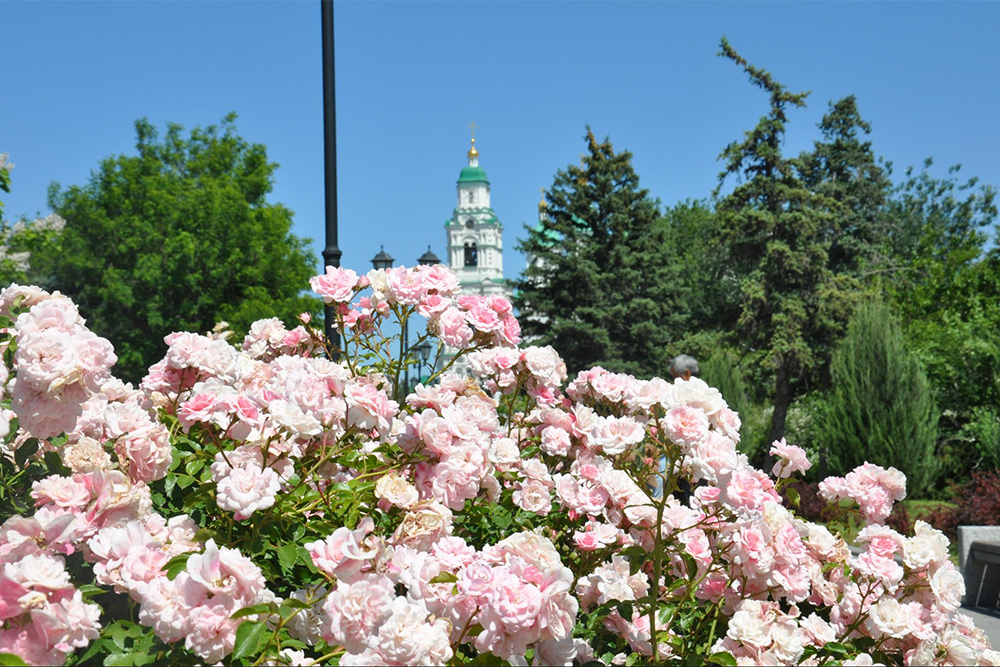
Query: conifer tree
point(880, 407)
point(774, 227)
point(603, 288)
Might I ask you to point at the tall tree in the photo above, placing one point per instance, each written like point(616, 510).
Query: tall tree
point(855, 186)
point(775, 229)
point(602, 289)
point(177, 237)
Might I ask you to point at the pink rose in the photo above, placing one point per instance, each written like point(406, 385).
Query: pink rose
point(791, 459)
point(356, 610)
point(246, 489)
point(336, 285)
point(686, 425)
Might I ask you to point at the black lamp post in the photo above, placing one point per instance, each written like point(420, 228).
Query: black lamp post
point(424, 350)
point(331, 253)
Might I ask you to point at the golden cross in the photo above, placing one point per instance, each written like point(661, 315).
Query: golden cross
point(472, 127)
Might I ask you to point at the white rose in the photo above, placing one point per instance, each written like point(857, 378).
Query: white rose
point(890, 618)
point(747, 627)
point(396, 490)
point(948, 586)
point(292, 417)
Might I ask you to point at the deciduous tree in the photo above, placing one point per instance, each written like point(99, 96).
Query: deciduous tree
point(178, 237)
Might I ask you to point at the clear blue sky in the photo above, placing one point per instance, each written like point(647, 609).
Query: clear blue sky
point(412, 75)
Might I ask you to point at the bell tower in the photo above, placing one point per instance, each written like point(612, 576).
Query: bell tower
point(475, 235)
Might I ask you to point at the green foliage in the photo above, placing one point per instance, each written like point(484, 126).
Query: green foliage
point(723, 370)
point(5, 168)
point(947, 289)
point(880, 408)
point(177, 238)
point(603, 290)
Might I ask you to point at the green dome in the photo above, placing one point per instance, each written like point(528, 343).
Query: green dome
point(473, 175)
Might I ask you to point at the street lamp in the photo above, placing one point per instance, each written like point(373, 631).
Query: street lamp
point(424, 350)
point(382, 260)
point(428, 259)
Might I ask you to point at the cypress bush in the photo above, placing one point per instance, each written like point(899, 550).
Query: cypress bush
point(880, 406)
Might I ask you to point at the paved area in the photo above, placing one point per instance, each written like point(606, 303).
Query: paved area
point(988, 620)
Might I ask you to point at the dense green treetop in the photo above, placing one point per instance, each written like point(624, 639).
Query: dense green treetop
point(603, 289)
point(177, 238)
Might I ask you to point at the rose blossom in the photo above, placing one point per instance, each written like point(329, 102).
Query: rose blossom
point(791, 459)
point(395, 490)
point(336, 285)
point(247, 489)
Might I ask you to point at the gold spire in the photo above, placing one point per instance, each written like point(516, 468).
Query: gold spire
point(542, 205)
point(472, 151)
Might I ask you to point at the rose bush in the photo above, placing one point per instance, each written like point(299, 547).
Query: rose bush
point(284, 503)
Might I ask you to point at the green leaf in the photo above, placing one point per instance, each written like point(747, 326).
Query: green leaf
point(193, 466)
point(55, 465)
point(288, 555)
point(11, 659)
point(206, 534)
point(294, 603)
point(176, 565)
point(25, 452)
point(443, 578)
point(265, 608)
point(250, 639)
point(90, 590)
point(198, 494)
point(724, 658)
point(793, 496)
point(834, 647)
point(305, 558)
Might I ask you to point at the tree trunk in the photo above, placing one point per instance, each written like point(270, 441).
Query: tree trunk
point(782, 399)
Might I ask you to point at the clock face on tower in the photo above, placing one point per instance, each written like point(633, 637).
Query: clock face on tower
point(469, 224)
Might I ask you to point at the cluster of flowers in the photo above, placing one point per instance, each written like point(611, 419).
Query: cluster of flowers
point(60, 362)
point(459, 320)
point(43, 616)
point(517, 592)
point(593, 464)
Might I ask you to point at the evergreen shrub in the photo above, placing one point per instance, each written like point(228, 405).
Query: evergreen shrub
point(880, 407)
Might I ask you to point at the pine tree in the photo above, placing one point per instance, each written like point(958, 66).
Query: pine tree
point(842, 168)
point(880, 408)
point(774, 227)
point(603, 290)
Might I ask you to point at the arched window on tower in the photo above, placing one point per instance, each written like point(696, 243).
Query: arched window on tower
point(471, 255)
point(470, 197)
